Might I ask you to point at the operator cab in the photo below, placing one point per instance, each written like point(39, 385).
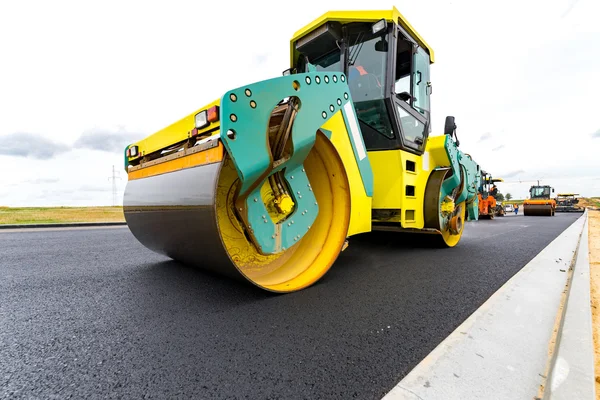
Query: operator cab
point(388, 76)
point(540, 192)
point(488, 185)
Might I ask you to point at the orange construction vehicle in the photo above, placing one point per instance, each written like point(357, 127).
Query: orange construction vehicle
point(539, 202)
point(489, 207)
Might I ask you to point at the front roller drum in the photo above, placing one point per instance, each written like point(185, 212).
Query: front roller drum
point(188, 215)
point(538, 210)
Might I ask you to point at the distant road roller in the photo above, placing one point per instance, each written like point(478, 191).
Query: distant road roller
point(268, 182)
point(539, 202)
point(488, 205)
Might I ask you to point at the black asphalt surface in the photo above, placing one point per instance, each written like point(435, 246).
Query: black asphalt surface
point(91, 313)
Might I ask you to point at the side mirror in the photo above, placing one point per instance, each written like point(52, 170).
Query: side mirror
point(404, 96)
point(449, 126)
point(381, 45)
point(552, 190)
point(289, 71)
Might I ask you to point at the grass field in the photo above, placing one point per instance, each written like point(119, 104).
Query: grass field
point(592, 201)
point(583, 201)
point(513, 201)
point(51, 215)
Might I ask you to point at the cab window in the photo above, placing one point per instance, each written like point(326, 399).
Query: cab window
point(421, 81)
point(329, 62)
point(367, 64)
point(411, 92)
point(403, 69)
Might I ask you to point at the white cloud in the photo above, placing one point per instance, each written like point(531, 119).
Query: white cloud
point(30, 145)
point(106, 140)
point(526, 72)
point(485, 136)
point(512, 173)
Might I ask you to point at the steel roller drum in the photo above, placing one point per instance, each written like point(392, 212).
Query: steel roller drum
point(174, 214)
point(537, 210)
point(187, 214)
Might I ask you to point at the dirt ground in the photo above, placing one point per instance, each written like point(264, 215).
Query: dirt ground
point(594, 243)
point(592, 202)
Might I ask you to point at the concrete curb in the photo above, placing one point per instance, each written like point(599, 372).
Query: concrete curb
point(60, 225)
point(504, 349)
point(572, 372)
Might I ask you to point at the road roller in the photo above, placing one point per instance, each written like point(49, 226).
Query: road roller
point(489, 207)
point(539, 202)
point(268, 182)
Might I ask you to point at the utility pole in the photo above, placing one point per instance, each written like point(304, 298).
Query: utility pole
point(114, 178)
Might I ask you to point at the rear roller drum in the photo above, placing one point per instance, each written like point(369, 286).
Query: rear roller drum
point(441, 213)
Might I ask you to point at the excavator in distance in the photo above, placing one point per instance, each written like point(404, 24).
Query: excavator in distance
point(268, 182)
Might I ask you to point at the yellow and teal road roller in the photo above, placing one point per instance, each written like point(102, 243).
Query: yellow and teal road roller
point(269, 181)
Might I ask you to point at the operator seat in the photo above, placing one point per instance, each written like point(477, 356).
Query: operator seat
point(363, 85)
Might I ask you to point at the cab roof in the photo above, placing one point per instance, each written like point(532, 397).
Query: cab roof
point(493, 180)
point(345, 17)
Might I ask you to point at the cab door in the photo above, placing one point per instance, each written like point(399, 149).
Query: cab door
point(411, 92)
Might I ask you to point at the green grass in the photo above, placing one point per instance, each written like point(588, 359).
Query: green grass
point(512, 201)
point(51, 215)
point(595, 201)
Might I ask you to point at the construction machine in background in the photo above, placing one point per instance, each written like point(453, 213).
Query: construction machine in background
point(489, 207)
point(567, 202)
point(500, 210)
point(540, 202)
point(268, 182)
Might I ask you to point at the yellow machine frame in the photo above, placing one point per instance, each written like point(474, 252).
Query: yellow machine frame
point(389, 183)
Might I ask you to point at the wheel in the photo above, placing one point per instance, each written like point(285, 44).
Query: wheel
point(451, 226)
point(311, 257)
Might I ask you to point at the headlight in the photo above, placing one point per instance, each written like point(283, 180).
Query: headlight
point(201, 119)
point(379, 26)
point(132, 151)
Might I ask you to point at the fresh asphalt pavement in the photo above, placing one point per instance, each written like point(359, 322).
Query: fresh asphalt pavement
point(91, 313)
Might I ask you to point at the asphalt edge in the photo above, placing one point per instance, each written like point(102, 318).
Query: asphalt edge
point(423, 381)
point(572, 374)
point(61, 225)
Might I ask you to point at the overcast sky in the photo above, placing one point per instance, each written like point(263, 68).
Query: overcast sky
point(79, 80)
